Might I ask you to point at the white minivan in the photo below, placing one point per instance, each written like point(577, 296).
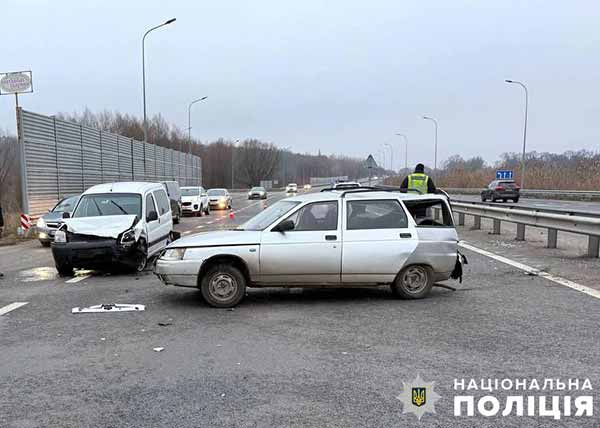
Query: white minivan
point(114, 223)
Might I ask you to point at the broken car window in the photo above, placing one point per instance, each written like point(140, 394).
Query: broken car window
point(430, 213)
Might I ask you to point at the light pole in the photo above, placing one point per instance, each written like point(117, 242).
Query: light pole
point(232, 163)
point(391, 156)
point(144, 72)
point(405, 150)
point(524, 129)
point(190, 122)
point(436, 144)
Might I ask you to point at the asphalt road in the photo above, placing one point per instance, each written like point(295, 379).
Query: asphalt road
point(284, 358)
point(534, 203)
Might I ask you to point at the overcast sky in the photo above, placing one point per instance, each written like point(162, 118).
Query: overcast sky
point(340, 76)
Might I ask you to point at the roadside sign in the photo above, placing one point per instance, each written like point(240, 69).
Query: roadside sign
point(16, 82)
point(504, 174)
point(25, 221)
point(371, 162)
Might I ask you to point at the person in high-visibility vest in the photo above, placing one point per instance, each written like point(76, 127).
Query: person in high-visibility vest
point(418, 180)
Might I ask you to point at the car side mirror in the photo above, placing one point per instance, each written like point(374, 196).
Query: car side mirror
point(152, 216)
point(66, 215)
point(284, 226)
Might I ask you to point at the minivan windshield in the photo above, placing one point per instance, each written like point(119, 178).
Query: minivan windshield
point(217, 192)
point(190, 191)
point(268, 216)
point(102, 204)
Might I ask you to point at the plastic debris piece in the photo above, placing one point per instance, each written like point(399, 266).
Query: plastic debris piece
point(165, 323)
point(103, 338)
point(223, 395)
point(159, 349)
point(110, 307)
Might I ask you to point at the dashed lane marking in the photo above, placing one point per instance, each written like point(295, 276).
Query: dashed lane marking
point(6, 309)
point(534, 271)
point(77, 279)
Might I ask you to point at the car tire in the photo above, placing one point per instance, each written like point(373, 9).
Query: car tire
point(64, 270)
point(45, 243)
point(207, 212)
point(516, 200)
point(413, 282)
point(177, 218)
point(483, 198)
point(223, 286)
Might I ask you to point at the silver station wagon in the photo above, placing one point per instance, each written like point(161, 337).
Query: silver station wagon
point(349, 238)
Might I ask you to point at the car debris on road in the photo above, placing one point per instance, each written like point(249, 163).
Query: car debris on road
point(110, 307)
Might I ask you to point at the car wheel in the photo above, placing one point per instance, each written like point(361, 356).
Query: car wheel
point(483, 198)
point(207, 212)
point(45, 243)
point(141, 262)
point(223, 286)
point(177, 218)
point(199, 213)
point(413, 282)
point(516, 200)
point(64, 270)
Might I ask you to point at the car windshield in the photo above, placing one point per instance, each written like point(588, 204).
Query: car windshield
point(66, 205)
point(190, 191)
point(217, 192)
point(103, 204)
point(257, 189)
point(268, 216)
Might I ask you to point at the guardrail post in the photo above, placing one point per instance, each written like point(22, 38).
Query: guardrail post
point(520, 232)
point(496, 227)
point(461, 219)
point(593, 246)
point(476, 222)
point(552, 238)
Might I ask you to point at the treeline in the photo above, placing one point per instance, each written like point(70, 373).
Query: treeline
point(571, 170)
point(253, 160)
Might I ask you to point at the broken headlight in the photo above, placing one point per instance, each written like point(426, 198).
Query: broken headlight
point(173, 254)
point(127, 238)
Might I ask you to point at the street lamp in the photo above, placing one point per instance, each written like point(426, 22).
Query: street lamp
point(190, 122)
point(524, 129)
point(144, 72)
point(436, 145)
point(391, 156)
point(232, 163)
point(405, 150)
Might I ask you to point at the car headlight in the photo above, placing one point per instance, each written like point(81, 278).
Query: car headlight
point(41, 224)
point(127, 238)
point(173, 254)
point(60, 236)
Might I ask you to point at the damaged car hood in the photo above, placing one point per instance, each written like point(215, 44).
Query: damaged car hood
point(110, 226)
point(218, 238)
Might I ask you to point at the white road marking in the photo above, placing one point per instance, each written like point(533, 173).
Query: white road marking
point(77, 279)
point(6, 309)
point(534, 271)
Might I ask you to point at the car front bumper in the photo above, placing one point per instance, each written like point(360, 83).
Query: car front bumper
point(90, 254)
point(218, 204)
point(182, 273)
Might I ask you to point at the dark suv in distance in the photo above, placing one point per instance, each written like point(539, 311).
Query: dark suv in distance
point(501, 190)
point(174, 193)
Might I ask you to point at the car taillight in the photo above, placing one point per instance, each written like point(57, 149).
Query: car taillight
point(499, 188)
point(517, 187)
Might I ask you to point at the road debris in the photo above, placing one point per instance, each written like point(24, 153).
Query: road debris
point(159, 349)
point(110, 307)
point(165, 323)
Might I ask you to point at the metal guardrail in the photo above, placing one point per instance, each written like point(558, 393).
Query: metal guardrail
point(553, 221)
point(579, 195)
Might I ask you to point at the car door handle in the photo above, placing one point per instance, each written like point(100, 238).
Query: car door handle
point(405, 235)
point(331, 237)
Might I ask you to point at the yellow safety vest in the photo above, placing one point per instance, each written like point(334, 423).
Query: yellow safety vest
point(418, 181)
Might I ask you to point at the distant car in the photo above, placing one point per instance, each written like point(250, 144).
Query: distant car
point(501, 190)
point(48, 223)
point(345, 185)
point(307, 187)
point(257, 193)
point(291, 188)
point(114, 223)
point(194, 200)
point(219, 199)
point(174, 194)
point(332, 239)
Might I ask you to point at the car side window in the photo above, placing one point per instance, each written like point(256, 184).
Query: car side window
point(378, 214)
point(492, 185)
point(162, 201)
point(430, 213)
point(316, 216)
point(149, 204)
